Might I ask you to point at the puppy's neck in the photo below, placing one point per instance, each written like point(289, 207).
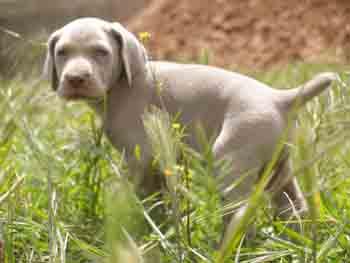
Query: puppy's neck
point(123, 103)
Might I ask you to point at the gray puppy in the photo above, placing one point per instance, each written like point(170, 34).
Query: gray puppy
point(90, 58)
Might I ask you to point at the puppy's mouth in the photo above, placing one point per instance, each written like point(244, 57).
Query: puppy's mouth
point(73, 96)
point(72, 93)
point(80, 93)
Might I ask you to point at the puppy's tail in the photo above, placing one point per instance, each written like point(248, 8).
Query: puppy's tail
point(302, 94)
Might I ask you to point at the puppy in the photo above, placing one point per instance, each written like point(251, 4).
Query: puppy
point(92, 59)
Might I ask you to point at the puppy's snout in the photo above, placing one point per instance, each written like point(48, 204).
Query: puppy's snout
point(78, 79)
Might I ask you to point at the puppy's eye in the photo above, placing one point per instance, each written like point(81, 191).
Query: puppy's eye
point(61, 52)
point(101, 52)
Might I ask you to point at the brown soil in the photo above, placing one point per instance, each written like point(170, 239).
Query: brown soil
point(250, 33)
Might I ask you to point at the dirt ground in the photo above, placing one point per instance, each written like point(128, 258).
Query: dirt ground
point(250, 33)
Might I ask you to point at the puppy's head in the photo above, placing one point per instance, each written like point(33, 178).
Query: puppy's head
point(89, 56)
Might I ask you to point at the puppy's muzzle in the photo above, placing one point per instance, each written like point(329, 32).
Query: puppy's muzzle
point(76, 84)
point(77, 80)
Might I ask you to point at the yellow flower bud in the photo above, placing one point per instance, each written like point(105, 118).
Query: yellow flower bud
point(144, 36)
point(168, 172)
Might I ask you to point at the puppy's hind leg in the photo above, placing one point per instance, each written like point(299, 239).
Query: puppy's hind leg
point(288, 199)
point(239, 144)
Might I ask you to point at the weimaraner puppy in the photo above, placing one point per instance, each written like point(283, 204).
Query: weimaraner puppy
point(92, 59)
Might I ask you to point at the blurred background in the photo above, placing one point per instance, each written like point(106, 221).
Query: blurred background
point(252, 33)
point(34, 20)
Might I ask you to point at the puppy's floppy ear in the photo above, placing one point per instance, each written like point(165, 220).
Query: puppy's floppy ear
point(133, 53)
point(50, 72)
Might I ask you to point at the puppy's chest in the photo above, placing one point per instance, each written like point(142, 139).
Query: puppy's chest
point(125, 134)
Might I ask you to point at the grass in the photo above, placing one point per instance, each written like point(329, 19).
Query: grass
point(63, 196)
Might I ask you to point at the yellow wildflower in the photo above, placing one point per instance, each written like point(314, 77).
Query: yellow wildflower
point(180, 168)
point(176, 125)
point(137, 152)
point(168, 172)
point(144, 36)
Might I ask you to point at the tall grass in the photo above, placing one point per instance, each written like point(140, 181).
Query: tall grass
point(63, 197)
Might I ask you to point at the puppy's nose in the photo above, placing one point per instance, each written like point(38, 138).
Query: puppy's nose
point(77, 79)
